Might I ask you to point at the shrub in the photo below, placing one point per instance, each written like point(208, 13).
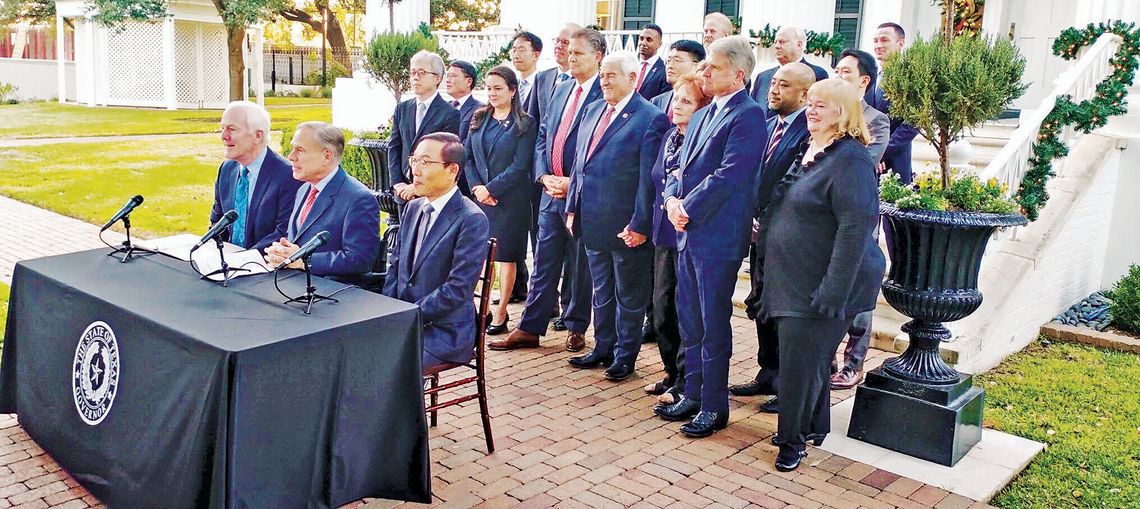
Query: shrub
point(287, 140)
point(333, 70)
point(967, 193)
point(305, 92)
point(8, 93)
point(1125, 306)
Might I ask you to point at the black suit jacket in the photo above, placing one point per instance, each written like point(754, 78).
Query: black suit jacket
point(440, 117)
point(465, 112)
point(763, 82)
point(654, 83)
point(773, 169)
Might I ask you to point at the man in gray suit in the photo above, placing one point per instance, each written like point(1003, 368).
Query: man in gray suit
point(859, 68)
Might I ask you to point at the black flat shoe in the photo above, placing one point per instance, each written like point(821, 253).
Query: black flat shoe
point(816, 439)
point(559, 325)
point(789, 460)
point(683, 409)
point(771, 406)
point(593, 359)
point(752, 388)
point(619, 371)
point(495, 330)
point(705, 424)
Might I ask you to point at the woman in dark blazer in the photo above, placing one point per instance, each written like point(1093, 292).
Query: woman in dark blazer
point(822, 264)
point(500, 157)
point(687, 99)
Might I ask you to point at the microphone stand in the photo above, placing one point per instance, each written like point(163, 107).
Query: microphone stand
point(311, 294)
point(226, 271)
point(127, 247)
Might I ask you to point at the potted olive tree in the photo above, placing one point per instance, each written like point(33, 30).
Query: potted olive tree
point(937, 231)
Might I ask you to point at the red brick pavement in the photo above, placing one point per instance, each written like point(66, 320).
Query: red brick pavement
point(569, 438)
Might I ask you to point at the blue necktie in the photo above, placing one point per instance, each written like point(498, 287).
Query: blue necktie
point(241, 205)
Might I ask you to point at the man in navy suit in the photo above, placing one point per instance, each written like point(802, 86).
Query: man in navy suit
point(651, 80)
point(441, 250)
point(610, 209)
point(553, 161)
point(719, 159)
point(683, 57)
point(545, 81)
point(459, 80)
point(254, 180)
point(427, 112)
point(788, 47)
point(787, 135)
point(890, 39)
point(329, 200)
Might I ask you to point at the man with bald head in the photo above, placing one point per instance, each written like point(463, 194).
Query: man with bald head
point(789, 47)
point(254, 181)
point(787, 136)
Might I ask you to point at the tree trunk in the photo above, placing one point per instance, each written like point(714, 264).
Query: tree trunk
point(943, 148)
point(235, 38)
point(392, 19)
point(335, 35)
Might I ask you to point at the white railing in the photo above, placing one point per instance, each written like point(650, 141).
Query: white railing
point(476, 46)
point(1079, 82)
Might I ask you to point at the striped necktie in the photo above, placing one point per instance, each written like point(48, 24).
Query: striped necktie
point(777, 135)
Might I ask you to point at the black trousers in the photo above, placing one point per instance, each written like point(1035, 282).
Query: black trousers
point(858, 341)
point(664, 314)
point(807, 347)
point(768, 341)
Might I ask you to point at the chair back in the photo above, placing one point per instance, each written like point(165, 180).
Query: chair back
point(483, 301)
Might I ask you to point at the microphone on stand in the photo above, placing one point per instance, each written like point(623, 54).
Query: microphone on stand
point(224, 222)
point(306, 249)
point(123, 212)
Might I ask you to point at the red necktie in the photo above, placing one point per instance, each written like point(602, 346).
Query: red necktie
point(776, 136)
point(602, 125)
point(641, 77)
point(559, 145)
point(307, 207)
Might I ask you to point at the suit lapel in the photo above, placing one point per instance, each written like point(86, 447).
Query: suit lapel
point(616, 123)
point(265, 178)
point(411, 215)
point(324, 200)
point(434, 111)
point(477, 150)
point(447, 217)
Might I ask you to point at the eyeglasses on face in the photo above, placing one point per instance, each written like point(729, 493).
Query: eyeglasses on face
point(420, 161)
point(419, 73)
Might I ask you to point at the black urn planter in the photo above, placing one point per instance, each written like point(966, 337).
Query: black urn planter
point(916, 403)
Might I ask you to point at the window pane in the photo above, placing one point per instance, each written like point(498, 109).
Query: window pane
point(849, 27)
point(639, 9)
point(730, 8)
point(847, 6)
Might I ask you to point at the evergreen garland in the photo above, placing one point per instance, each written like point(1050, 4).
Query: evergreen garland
point(1085, 116)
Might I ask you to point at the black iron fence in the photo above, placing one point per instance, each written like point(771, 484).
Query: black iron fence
point(302, 65)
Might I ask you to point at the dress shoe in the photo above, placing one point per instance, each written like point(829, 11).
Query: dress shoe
point(846, 378)
point(619, 371)
point(789, 459)
point(816, 439)
point(559, 325)
point(705, 424)
point(575, 342)
point(752, 388)
point(495, 330)
point(518, 338)
point(771, 406)
point(648, 333)
point(683, 409)
point(592, 360)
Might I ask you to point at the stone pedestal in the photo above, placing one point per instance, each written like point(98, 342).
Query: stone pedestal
point(937, 423)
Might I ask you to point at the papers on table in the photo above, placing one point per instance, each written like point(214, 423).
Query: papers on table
point(206, 258)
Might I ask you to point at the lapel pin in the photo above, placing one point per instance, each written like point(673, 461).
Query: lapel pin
point(625, 115)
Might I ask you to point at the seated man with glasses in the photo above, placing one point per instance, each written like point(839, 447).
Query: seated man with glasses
point(427, 112)
point(441, 250)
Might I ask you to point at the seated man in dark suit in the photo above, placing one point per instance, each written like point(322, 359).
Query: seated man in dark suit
point(427, 112)
point(441, 250)
point(787, 135)
point(254, 180)
point(710, 203)
point(329, 200)
point(609, 208)
point(789, 47)
point(684, 54)
point(651, 80)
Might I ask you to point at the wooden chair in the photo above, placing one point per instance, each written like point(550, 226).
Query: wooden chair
point(431, 375)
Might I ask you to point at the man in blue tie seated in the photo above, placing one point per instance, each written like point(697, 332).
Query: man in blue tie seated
point(254, 180)
point(609, 207)
point(427, 112)
point(710, 203)
point(328, 200)
point(441, 249)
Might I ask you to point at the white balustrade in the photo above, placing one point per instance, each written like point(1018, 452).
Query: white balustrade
point(476, 46)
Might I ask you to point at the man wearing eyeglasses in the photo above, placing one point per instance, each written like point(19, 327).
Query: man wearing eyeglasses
point(545, 81)
point(441, 251)
point(427, 112)
point(683, 57)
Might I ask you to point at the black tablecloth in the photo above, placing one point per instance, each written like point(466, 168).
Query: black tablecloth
point(224, 397)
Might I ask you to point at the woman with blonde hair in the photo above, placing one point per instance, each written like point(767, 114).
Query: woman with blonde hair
point(822, 265)
point(687, 99)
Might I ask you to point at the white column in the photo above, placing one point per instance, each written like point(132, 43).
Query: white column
point(259, 64)
point(995, 22)
point(60, 58)
point(169, 89)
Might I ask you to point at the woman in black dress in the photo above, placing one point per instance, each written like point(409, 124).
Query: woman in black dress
point(822, 264)
point(500, 158)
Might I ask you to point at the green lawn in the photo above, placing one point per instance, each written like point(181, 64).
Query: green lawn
point(1084, 403)
point(91, 181)
point(3, 310)
point(55, 120)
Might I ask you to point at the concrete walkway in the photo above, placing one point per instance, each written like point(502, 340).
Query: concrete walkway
point(565, 437)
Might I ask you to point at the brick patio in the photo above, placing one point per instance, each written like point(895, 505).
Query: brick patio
point(569, 438)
